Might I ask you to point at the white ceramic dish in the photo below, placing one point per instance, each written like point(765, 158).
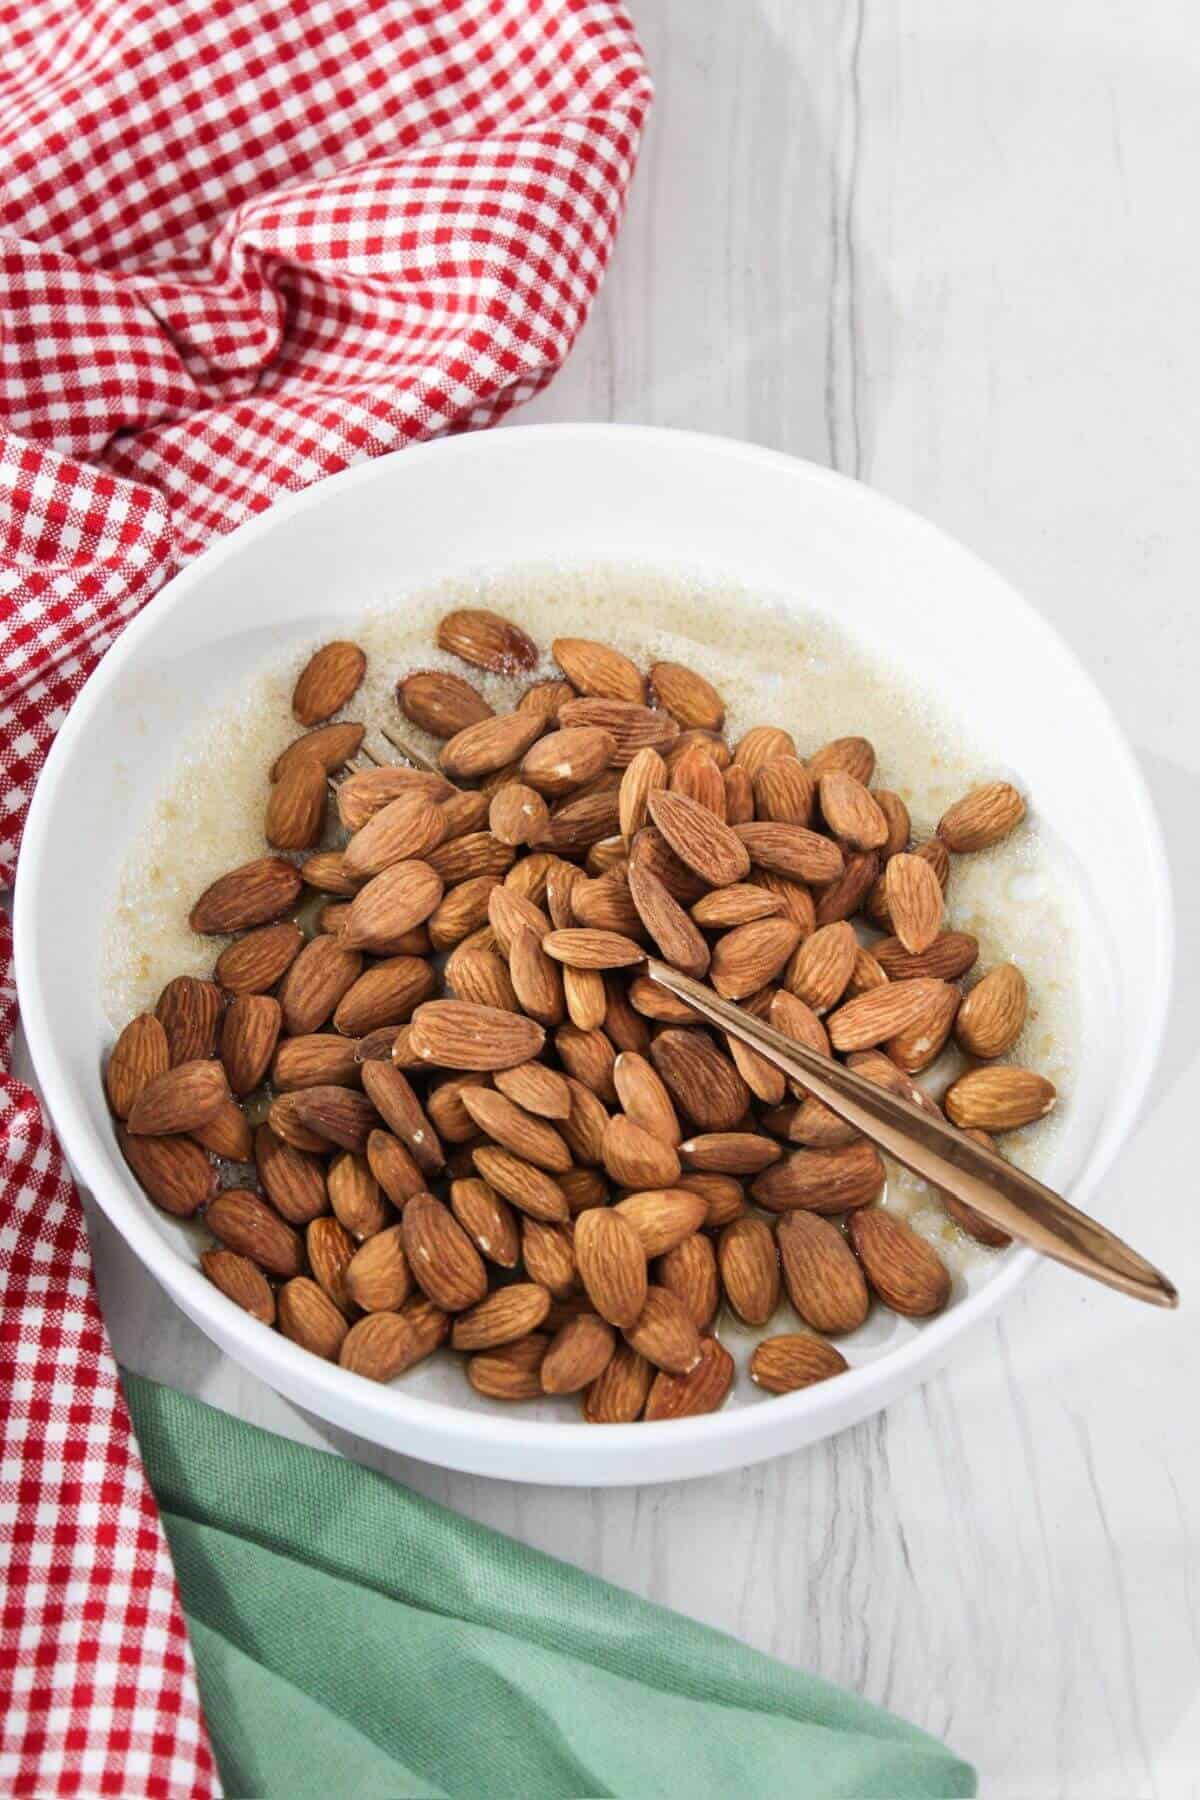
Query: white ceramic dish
point(572, 492)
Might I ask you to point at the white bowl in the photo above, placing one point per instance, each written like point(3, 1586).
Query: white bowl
point(570, 493)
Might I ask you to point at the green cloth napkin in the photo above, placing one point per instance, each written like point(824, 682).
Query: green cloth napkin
point(354, 1640)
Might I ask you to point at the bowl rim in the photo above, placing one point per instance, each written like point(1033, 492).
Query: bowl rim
point(266, 1352)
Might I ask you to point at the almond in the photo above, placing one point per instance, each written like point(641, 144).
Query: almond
point(585, 1125)
point(921, 1043)
point(440, 703)
point(463, 815)
point(250, 895)
point(583, 1188)
point(487, 1220)
point(331, 675)
point(749, 1266)
point(577, 1355)
point(481, 978)
point(730, 1152)
point(589, 1057)
point(982, 817)
point(546, 697)
point(885, 1012)
point(189, 1011)
point(296, 805)
point(443, 1260)
point(255, 962)
point(824, 1280)
point(245, 1223)
point(452, 1034)
point(761, 745)
point(509, 911)
point(748, 957)
point(623, 1025)
point(791, 850)
point(332, 918)
point(702, 1081)
point(850, 812)
point(666, 922)
point(510, 1313)
point(518, 815)
point(663, 1217)
point(140, 1054)
point(991, 1018)
point(688, 697)
point(324, 971)
point(865, 975)
point(586, 948)
point(529, 1188)
point(241, 1281)
point(915, 902)
point(330, 745)
point(366, 792)
point(635, 1158)
point(179, 1100)
point(617, 1396)
point(354, 1194)
point(393, 1169)
point(227, 1133)
point(596, 670)
point(712, 849)
point(842, 898)
point(651, 851)
point(633, 727)
point(784, 792)
point(309, 1318)
point(511, 1371)
point(538, 1089)
point(906, 1273)
point(489, 745)
point(561, 880)
point(174, 1172)
point(318, 1059)
point(741, 904)
point(385, 994)
point(527, 1136)
point(1001, 1097)
point(765, 1081)
point(391, 1094)
point(794, 1360)
point(696, 775)
point(578, 824)
point(385, 1344)
point(567, 759)
point(377, 1277)
point(810, 1123)
point(797, 901)
point(645, 774)
point(407, 829)
point(702, 1389)
point(549, 1256)
point(536, 979)
point(949, 956)
point(797, 1020)
point(821, 967)
point(330, 1249)
point(325, 871)
point(644, 1097)
point(463, 909)
point(689, 1271)
point(449, 1116)
point(286, 1123)
point(488, 641)
point(853, 755)
point(823, 1181)
point(723, 1197)
point(662, 1332)
point(391, 904)
point(653, 1002)
point(612, 1265)
point(249, 1033)
point(739, 795)
point(337, 1114)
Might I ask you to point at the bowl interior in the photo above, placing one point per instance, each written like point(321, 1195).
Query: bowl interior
point(944, 621)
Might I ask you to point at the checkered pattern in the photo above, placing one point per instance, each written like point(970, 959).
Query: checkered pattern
point(243, 244)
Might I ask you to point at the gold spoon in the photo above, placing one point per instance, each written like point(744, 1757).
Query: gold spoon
point(1001, 1193)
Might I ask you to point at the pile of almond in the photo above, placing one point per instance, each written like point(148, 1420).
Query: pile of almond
point(460, 1110)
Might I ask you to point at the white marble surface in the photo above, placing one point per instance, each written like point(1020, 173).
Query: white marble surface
point(950, 249)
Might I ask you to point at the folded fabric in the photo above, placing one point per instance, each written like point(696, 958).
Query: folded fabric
point(352, 1638)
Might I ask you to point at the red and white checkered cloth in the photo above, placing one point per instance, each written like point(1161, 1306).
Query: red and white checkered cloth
point(243, 244)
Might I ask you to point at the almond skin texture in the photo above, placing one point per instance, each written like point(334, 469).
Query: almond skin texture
point(992, 1016)
point(366, 792)
point(322, 973)
point(739, 796)
point(737, 905)
point(588, 1056)
point(487, 640)
point(795, 1360)
point(330, 1249)
point(452, 1034)
point(749, 1265)
point(855, 755)
point(317, 1059)
point(249, 1033)
point(248, 1225)
point(822, 966)
point(748, 957)
point(612, 1265)
point(487, 1220)
point(797, 1020)
point(577, 1355)
point(823, 1181)
point(999, 1098)
point(331, 675)
point(884, 1012)
point(662, 1332)
point(645, 774)
point(503, 1317)
point(138, 1056)
point(336, 1114)
point(850, 811)
point(546, 697)
point(710, 848)
point(538, 1089)
point(824, 1280)
point(189, 1011)
point(527, 1136)
point(309, 1318)
point(906, 1273)
point(489, 745)
point(530, 1189)
point(384, 994)
point(253, 894)
point(355, 1195)
point(385, 1344)
point(617, 1396)
point(241, 1281)
point(586, 948)
point(441, 703)
point(296, 806)
point(695, 774)
point(227, 1133)
point(407, 829)
point(689, 1270)
point(174, 1172)
point(792, 851)
point(950, 955)
point(178, 1100)
point(510, 913)
point(688, 697)
point(391, 904)
point(723, 1197)
point(258, 960)
point(761, 745)
point(666, 922)
point(982, 817)
point(704, 1083)
point(330, 745)
point(663, 1217)
point(922, 1042)
point(703, 1389)
point(511, 1371)
point(597, 671)
point(730, 1152)
point(784, 792)
point(518, 815)
point(393, 1169)
point(644, 1097)
point(391, 1093)
point(377, 1277)
point(915, 902)
point(842, 898)
point(567, 759)
point(636, 1158)
point(444, 1262)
